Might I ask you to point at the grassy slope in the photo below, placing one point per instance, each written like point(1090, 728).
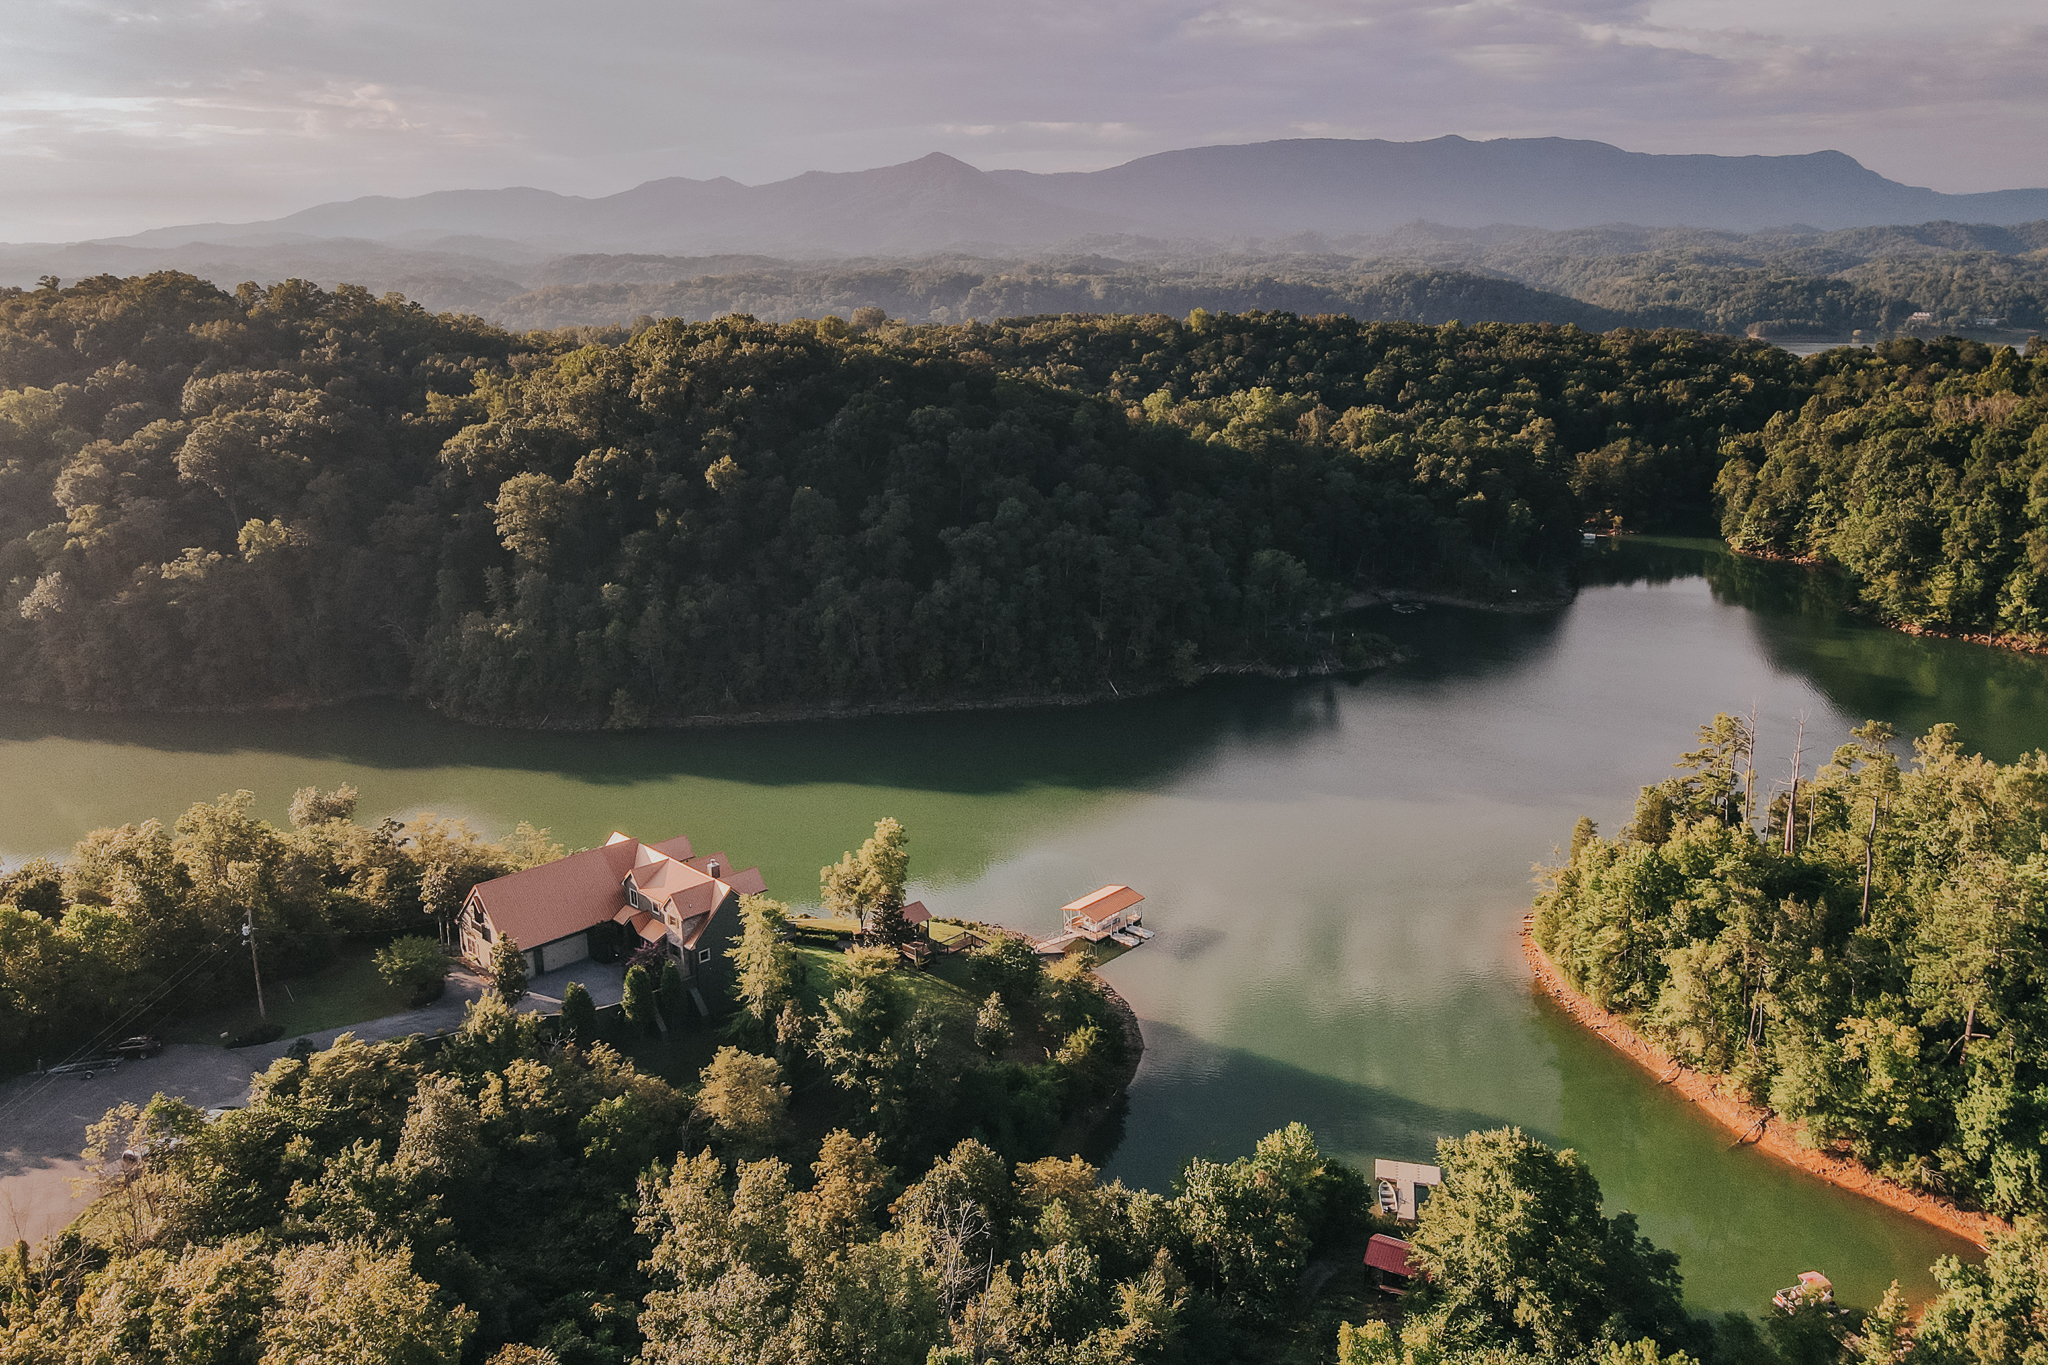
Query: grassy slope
point(345, 991)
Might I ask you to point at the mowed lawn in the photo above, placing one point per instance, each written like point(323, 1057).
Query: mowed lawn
point(347, 990)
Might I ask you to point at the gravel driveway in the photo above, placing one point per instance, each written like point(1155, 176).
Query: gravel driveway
point(43, 1118)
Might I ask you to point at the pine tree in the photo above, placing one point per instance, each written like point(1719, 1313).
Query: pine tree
point(639, 1001)
point(508, 970)
point(673, 998)
point(765, 962)
point(579, 1014)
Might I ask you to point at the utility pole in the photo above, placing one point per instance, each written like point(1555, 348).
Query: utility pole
point(249, 937)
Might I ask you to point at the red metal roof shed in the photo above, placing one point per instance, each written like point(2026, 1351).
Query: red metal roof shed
point(1389, 1254)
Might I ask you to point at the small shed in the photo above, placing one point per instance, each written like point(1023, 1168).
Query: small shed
point(1387, 1263)
point(918, 918)
point(1389, 1254)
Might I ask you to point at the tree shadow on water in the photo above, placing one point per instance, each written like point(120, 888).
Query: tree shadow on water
point(1195, 1098)
point(1107, 745)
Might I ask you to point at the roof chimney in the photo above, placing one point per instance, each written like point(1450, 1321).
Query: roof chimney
point(712, 867)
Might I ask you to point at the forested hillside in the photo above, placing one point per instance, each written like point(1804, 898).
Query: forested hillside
point(1862, 954)
point(213, 499)
point(1922, 470)
point(144, 921)
point(526, 1199)
point(1982, 279)
point(1712, 282)
point(967, 290)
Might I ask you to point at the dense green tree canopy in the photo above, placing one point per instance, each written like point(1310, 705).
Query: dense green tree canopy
point(1922, 470)
point(287, 494)
point(1867, 962)
point(143, 917)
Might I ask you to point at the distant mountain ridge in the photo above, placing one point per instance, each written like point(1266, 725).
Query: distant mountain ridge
point(933, 201)
point(1326, 186)
point(1331, 185)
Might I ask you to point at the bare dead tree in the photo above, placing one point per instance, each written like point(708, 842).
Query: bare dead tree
point(960, 1246)
point(1792, 799)
point(1748, 765)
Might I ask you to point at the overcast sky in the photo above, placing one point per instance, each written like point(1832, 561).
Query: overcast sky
point(117, 115)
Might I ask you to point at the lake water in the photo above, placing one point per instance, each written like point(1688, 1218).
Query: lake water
point(1336, 869)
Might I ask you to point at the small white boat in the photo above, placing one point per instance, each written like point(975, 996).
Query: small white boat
point(1127, 940)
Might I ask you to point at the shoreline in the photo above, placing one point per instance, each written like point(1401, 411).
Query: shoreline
point(1535, 602)
point(797, 712)
point(772, 715)
point(1763, 1129)
point(2013, 644)
point(1075, 1133)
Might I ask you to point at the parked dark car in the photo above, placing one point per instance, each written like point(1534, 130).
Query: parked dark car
point(141, 1045)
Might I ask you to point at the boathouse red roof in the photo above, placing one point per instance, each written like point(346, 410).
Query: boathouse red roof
point(1389, 1254)
point(1101, 904)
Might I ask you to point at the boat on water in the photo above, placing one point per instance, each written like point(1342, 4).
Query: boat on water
point(1814, 1290)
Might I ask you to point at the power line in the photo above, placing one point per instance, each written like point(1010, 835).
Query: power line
point(120, 1023)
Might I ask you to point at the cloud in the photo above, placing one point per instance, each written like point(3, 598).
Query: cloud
point(126, 115)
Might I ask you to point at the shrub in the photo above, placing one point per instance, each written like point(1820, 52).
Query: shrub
point(673, 997)
point(639, 1001)
point(411, 962)
point(508, 970)
point(579, 1015)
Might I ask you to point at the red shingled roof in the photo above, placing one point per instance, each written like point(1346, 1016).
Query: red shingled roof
point(747, 883)
point(559, 898)
point(571, 894)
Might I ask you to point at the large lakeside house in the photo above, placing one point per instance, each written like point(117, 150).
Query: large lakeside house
point(613, 900)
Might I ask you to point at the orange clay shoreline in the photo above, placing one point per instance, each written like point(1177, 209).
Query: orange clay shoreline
point(1754, 1127)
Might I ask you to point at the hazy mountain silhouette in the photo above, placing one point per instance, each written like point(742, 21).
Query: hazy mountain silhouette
point(1331, 186)
point(1327, 186)
point(931, 202)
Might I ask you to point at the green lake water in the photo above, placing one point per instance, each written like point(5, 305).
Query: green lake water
point(1336, 869)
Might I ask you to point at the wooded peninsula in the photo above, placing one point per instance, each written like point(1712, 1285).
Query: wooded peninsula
point(1860, 955)
point(288, 496)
